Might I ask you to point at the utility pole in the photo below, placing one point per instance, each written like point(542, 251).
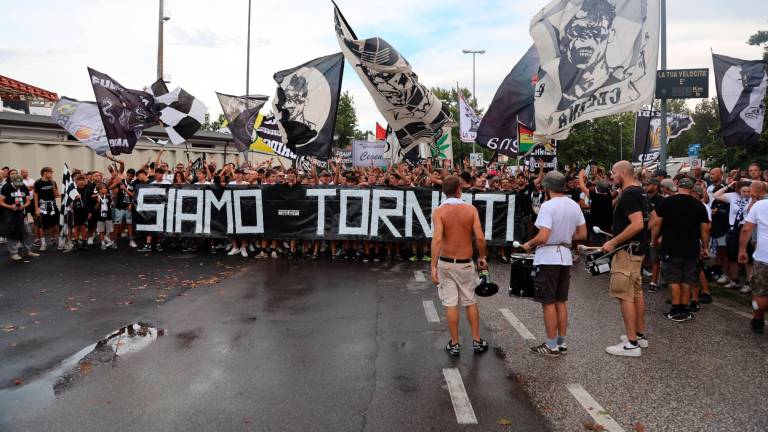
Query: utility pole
point(663, 150)
point(473, 52)
point(621, 140)
point(248, 58)
point(162, 18)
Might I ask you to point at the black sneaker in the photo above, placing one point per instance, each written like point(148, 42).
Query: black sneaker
point(479, 346)
point(679, 316)
point(159, 247)
point(705, 298)
point(653, 287)
point(145, 248)
point(366, 258)
point(758, 325)
point(545, 350)
point(694, 306)
point(503, 259)
point(453, 350)
point(291, 255)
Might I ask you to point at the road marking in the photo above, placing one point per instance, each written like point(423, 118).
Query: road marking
point(594, 409)
point(419, 276)
point(733, 310)
point(430, 311)
point(461, 404)
point(514, 322)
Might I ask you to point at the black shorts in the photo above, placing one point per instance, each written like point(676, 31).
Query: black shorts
point(46, 221)
point(680, 270)
point(80, 217)
point(551, 283)
point(732, 246)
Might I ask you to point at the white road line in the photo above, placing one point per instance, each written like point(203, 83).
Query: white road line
point(419, 276)
point(461, 404)
point(430, 311)
point(733, 310)
point(514, 322)
point(594, 409)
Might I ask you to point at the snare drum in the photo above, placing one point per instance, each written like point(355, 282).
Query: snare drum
point(598, 262)
point(521, 276)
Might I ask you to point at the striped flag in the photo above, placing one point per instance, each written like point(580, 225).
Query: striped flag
point(68, 189)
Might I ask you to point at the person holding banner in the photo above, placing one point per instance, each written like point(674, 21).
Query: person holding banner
point(454, 272)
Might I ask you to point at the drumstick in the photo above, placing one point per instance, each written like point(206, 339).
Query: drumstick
point(516, 244)
point(597, 230)
point(583, 248)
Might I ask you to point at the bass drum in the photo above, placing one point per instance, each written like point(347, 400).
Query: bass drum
point(521, 276)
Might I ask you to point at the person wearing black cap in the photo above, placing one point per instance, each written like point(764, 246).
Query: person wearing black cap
point(682, 230)
point(560, 223)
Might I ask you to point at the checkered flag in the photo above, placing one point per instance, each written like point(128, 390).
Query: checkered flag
point(68, 189)
point(180, 113)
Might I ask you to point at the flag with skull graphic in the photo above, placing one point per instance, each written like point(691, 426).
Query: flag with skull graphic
point(598, 58)
point(306, 102)
point(741, 86)
point(411, 109)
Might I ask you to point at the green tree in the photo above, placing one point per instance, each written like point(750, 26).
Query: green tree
point(760, 38)
point(346, 121)
point(450, 97)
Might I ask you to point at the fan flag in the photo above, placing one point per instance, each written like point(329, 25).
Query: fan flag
point(82, 121)
point(269, 138)
point(125, 113)
point(241, 113)
point(411, 109)
point(381, 132)
point(648, 132)
point(525, 140)
point(306, 102)
point(181, 114)
point(513, 102)
point(468, 120)
point(598, 58)
point(68, 189)
point(741, 86)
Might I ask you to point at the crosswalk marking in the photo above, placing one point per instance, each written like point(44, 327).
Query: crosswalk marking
point(732, 310)
point(516, 324)
point(430, 311)
point(419, 276)
point(459, 398)
point(594, 409)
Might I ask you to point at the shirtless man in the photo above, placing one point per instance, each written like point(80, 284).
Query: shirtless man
point(454, 272)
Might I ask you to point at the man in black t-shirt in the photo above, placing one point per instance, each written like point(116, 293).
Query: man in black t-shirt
point(45, 210)
point(682, 223)
point(654, 198)
point(14, 201)
point(626, 264)
point(124, 207)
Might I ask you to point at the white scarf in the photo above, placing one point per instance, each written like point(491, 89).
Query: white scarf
point(452, 201)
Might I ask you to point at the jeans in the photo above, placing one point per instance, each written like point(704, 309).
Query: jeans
point(23, 246)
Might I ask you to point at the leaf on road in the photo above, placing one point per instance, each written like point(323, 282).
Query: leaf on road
point(592, 426)
point(73, 309)
point(638, 427)
point(9, 327)
point(31, 312)
point(86, 367)
point(18, 382)
point(504, 421)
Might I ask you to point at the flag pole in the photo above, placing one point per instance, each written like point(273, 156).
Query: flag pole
point(663, 150)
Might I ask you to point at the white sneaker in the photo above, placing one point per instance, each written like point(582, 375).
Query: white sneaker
point(262, 254)
point(16, 257)
point(251, 248)
point(624, 349)
point(724, 279)
point(731, 285)
point(90, 241)
point(643, 342)
point(745, 289)
point(62, 245)
point(244, 252)
point(646, 273)
point(2, 240)
point(133, 244)
point(43, 245)
point(103, 246)
point(274, 254)
point(234, 251)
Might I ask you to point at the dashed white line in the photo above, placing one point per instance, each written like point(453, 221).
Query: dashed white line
point(461, 404)
point(516, 324)
point(733, 310)
point(419, 276)
point(430, 311)
point(594, 409)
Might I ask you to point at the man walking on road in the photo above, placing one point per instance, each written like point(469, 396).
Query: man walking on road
point(454, 272)
point(627, 263)
point(757, 216)
point(560, 223)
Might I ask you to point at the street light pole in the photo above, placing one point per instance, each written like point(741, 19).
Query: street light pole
point(621, 141)
point(474, 96)
point(248, 57)
point(162, 18)
point(663, 150)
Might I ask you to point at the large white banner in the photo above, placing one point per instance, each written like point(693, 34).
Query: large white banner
point(598, 58)
point(83, 121)
point(468, 121)
point(369, 153)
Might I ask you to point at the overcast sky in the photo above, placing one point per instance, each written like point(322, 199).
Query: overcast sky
point(49, 43)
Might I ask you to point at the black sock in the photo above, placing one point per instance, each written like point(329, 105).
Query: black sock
point(640, 335)
point(632, 342)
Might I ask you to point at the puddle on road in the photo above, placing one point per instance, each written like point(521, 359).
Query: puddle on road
point(26, 398)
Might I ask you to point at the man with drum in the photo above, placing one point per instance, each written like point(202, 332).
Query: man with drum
point(452, 268)
point(626, 265)
point(560, 222)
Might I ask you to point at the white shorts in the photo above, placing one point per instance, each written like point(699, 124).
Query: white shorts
point(457, 283)
point(104, 227)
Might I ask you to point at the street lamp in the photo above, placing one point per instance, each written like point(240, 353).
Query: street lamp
point(621, 140)
point(473, 52)
point(164, 16)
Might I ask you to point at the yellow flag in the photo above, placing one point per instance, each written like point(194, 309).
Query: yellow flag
point(259, 145)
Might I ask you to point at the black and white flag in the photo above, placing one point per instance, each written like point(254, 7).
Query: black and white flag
point(68, 189)
point(306, 102)
point(411, 109)
point(468, 120)
point(648, 132)
point(180, 113)
point(741, 86)
point(598, 58)
point(241, 113)
point(125, 113)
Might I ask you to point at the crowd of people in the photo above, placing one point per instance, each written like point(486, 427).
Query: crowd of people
point(100, 214)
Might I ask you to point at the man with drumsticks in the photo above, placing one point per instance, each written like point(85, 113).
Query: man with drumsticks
point(560, 222)
point(452, 269)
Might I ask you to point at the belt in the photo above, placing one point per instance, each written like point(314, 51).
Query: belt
point(456, 261)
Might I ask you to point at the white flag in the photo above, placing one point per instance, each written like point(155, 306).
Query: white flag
point(598, 58)
point(468, 121)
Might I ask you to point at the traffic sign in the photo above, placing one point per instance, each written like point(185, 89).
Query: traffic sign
point(682, 84)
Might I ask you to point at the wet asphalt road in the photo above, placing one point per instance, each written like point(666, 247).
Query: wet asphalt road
point(249, 345)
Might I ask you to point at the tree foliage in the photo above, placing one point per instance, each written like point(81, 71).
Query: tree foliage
point(346, 122)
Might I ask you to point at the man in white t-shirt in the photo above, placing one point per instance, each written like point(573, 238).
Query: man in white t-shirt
point(560, 223)
point(757, 216)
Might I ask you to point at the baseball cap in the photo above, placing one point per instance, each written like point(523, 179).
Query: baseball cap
point(653, 181)
point(669, 184)
point(17, 180)
point(554, 181)
point(685, 183)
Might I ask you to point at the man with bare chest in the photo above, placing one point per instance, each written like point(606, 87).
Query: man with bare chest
point(454, 271)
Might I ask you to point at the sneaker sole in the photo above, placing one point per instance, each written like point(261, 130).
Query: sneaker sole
point(630, 353)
